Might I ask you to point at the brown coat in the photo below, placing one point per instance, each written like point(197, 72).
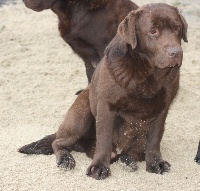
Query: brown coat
point(132, 89)
point(129, 96)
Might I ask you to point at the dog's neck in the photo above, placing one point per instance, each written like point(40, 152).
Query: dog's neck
point(63, 8)
point(130, 67)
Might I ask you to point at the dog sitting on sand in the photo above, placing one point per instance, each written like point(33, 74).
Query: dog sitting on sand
point(127, 101)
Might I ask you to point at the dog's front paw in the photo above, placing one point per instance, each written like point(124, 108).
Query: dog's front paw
point(65, 160)
point(158, 167)
point(98, 172)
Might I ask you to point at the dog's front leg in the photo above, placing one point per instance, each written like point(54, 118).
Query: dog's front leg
point(153, 158)
point(99, 168)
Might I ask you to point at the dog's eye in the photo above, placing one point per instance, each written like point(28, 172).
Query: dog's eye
point(153, 31)
point(177, 29)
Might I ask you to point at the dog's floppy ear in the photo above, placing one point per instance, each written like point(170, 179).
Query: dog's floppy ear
point(185, 25)
point(126, 29)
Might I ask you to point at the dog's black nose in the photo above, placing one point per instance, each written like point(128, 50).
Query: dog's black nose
point(174, 52)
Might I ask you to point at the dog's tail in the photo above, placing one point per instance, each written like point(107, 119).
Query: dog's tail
point(42, 146)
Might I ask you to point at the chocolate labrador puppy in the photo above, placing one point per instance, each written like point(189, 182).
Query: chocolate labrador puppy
point(197, 158)
point(129, 95)
point(86, 25)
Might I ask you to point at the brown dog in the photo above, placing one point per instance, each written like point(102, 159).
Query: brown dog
point(131, 91)
point(86, 25)
point(129, 95)
point(197, 158)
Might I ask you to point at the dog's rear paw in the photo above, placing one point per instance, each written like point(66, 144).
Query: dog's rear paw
point(98, 172)
point(158, 167)
point(65, 160)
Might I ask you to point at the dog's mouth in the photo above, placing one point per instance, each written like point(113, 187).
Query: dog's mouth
point(174, 65)
point(168, 63)
point(161, 66)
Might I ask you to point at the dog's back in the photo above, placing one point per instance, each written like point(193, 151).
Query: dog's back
point(88, 26)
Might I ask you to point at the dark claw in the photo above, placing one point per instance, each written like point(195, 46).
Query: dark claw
point(98, 172)
point(66, 161)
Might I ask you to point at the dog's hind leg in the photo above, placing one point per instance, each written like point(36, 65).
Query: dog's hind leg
point(77, 125)
point(197, 158)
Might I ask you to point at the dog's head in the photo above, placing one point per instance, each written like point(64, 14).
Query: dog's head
point(156, 30)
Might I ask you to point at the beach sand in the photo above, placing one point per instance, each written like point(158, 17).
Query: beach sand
point(39, 75)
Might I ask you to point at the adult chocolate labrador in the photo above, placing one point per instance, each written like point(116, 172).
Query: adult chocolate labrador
point(86, 25)
point(133, 88)
point(129, 95)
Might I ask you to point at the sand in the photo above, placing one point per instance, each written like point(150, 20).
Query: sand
point(39, 75)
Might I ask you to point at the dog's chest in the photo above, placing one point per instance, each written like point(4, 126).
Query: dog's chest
point(145, 101)
point(137, 109)
point(134, 117)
